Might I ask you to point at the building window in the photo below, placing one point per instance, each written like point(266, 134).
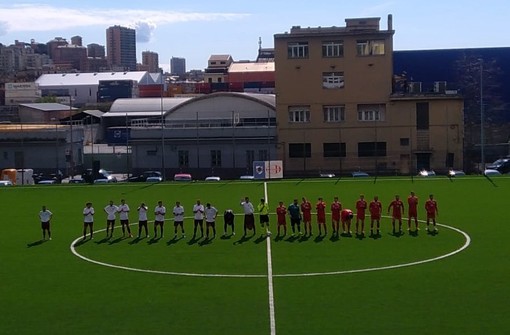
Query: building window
point(334, 113)
point(183, 158)
point(215, 158)
point(300, 150)
point(333, 49)
point(371, 149)
point(263, 156)
point(297, 50)
point(422, 115)
point(371, 112)
point(299, 114)
point(332, 80)
point(404, 141)
point(250, 157)
point(333, 149)
point(370, 47)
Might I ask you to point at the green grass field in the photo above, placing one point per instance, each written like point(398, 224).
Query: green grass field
point(222, 287)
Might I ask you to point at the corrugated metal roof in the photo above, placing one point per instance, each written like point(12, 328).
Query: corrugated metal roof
point(91, 78)
point(94, 112)
point(252, 67)
point(143, 106)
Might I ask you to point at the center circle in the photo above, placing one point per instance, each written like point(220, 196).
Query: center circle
point(467, 241)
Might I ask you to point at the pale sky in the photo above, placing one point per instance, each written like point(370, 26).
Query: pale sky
point(196, 29)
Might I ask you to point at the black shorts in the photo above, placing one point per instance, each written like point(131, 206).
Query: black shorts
point(142, 223)
point(199, 222)
point(124, 222)
point(210, 223)
point(112, 222)
point(178, 223)
point(88, 224)
point(45, 225)
point(264, 218)
point(158, 223)
point(295, 221)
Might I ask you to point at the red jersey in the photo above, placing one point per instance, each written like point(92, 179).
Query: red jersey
point(431, 208)
point(306, 209)
point(375, 209)
point(281, 212)
point(321, 212)
point(361, 206)
point(412, 201)
point(346, 215)
point(398, 208)
point(336, 207)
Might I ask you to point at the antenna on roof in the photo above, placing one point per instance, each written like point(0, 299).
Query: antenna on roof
point(260, 43)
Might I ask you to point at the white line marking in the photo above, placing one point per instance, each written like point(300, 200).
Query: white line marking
point(272, 319)
point(220, 275)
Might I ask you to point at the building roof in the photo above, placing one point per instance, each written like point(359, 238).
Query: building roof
point(143, 106)
point(47, 106)
point(94, 112)
point(220, 57)
point(93, 78)
point(252, 67)
point(146, 107)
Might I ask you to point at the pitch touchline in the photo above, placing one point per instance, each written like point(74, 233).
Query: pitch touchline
point(272, 319)
point(389, 267)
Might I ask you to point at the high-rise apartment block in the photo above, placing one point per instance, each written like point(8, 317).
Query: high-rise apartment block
point(121, 48)
point(178, 66)
point(150, 61)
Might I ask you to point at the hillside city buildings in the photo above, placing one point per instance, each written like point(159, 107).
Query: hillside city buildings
point(324, 100)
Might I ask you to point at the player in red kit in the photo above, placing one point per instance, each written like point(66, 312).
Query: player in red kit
point(306, 209)
point(321, 216)
point(361, 206)
point(336, 208)
point(281, 213)
point(375, 209)
point(396, 214)
point(412, 212)
point(432, 211)
point(346, 216)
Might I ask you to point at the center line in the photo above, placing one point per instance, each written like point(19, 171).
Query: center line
point(272, 320)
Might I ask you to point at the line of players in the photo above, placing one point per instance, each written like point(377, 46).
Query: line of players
point(297, 212)
point(303, 213)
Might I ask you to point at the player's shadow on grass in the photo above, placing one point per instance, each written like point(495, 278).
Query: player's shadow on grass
point(226, 237)
point(292, 238)
point(319, 238)
point(279, 238)
point(205, 241)
point(243, 239)
point(304, 238)
point(35, 243)
point(136, 240)
point(153, 240)
point(397, 234)
point(174, 240)
point(413, 233)
point(82, 241)
point(432, 232)
point(335, 237)
point(360, 237)
point(260, 239)
point(103, 240)
point(375, 236)
point(117, 240)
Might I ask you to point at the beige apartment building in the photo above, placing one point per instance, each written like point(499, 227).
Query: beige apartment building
point(338, 110)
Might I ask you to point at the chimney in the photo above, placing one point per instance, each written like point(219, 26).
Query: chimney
point(390, 22)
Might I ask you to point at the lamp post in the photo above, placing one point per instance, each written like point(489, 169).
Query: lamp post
point(71, 151)
point(482, 121)
point(56, 147)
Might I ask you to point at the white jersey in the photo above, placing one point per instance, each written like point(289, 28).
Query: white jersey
point(199, 211)
point(247, 207)
point(142, 213)
point(88, 214)
point(124, 212)
point(45, 216)
point(210, 214)
point(160, 212)
point(111, 211)
point(178, 213)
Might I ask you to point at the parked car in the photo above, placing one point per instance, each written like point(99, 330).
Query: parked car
point(154, 179)
point(246, 177)
point(51, 178)
point(359, 174)
point(212, 178)
point(491, 172)
point(182, 177)
point(5, 183)
point(145, 175)
point(327, 175)
point(91, 178)
point(427, 173)
point(456, 173)
point(502, 165)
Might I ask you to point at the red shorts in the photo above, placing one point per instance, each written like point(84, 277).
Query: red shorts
point(360, 216)
point(413, 214)
point(335, 217)
point(431, 215)
point(375, 216)
point(321, 219)
point(397, 216)
point(282, 222)
point(307, 217)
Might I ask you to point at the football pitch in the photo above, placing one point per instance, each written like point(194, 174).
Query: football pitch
point(452, 282)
